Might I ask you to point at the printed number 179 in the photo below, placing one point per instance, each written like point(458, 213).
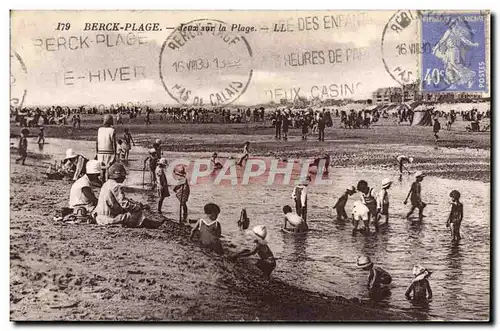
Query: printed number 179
point(63, 26)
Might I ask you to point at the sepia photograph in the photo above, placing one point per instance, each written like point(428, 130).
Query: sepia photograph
point(250, 166)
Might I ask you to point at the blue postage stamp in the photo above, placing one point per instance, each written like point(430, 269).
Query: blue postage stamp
point(456, 60)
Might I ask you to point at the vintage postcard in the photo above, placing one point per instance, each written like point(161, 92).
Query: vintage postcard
point(250, 165)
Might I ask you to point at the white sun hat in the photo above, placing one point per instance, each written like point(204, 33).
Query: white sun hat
point(386, 182)
point(70, 154)
point(93, 167)
point(260, 231)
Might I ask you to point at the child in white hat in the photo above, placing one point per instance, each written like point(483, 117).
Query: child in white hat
point(383, 202)
point(161, 182)
point(378, 277)
point(341, 202)
point(415, 196)
point(420, 286)
point(267, 262)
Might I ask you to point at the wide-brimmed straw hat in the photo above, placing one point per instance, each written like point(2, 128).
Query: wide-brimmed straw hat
point(260, 231)
point(364, 262)
point(420, 273)
point(158, 141)
point(70, 154)
point(163, 161)
point(419, 174)
point(410, 159)
point(386, 182)
point(152, 151)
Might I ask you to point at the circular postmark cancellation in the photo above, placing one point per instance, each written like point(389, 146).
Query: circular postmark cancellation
point(205, 63)
point(417, 45)
point(401, 47)
point(18, 81)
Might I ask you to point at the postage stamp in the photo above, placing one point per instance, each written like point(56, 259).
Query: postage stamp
point(457, 60)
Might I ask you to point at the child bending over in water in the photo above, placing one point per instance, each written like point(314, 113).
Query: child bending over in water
point(378, 277)
point(341, 202)
point(267, 262)
point(456, 216)
point(420, 286)
point(298, 224)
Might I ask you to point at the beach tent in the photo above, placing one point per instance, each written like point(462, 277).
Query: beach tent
point(422, 116)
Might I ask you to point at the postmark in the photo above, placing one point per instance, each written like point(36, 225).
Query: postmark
point(18, 80)
point(205, 63)
point(401, 47)
point(457, 60)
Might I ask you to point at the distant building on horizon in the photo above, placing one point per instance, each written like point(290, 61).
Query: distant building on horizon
point(410, 93)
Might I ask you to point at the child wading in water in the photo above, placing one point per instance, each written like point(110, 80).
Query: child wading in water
point(23, 146)
point(246, 152)
point(209, 229)
point(161, 182)
point(369, 200)
point(267, 262)
point(214, 162)
point(120, 151)
point(341, 202)
point(378, 277)
point(182, 192)
point(415, 196)
point(420, 286)
point(383, 201)
point(299, 195)
point(297, 223)
point(456, 216)
point(360, 213)
point(152, 161)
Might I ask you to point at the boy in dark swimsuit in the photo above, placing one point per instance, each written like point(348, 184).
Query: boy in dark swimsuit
point(456, 216)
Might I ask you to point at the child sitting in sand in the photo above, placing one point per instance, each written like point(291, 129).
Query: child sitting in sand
point(341, 202)
point(267, 262)
point(378, 277)
point(360, 213)
point(415, 196)
point(383, 201)
point(369, 200)
point(296, 222)
point(209, 229)
point(215, 164)
point(420, 286)
point(456, 216)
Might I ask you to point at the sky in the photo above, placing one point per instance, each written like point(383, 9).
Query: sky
point(322, 54)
